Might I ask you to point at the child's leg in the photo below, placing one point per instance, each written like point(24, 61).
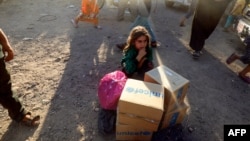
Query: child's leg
point(245, 71)
point(76, 20)
point(96, 25)
point(243, 74)
point(78, 17)
point(95, 12)
point(94, 21)
point(232, 58)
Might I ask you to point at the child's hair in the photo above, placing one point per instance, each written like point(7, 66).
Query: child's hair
point(135, 33)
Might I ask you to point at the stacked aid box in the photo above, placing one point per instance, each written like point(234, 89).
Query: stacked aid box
point(140, 110)
point(175, 89)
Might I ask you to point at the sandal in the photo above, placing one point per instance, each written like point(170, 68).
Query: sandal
point(245, 78)
point(31, 121)
point(231, 58)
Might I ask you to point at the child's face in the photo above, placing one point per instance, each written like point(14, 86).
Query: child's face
point(141, 42)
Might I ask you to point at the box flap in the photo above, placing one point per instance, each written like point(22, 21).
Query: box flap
point(167, 77)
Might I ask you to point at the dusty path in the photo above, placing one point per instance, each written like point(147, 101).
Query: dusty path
point(57, 68)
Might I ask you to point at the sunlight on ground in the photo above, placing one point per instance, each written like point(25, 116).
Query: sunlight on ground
point(103, 51)
point(221, 56)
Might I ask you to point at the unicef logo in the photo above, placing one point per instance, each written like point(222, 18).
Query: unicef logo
point(144, 91)
point(134, 133)
point(130, 89)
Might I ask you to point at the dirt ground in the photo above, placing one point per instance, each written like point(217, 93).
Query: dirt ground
point(57, 69)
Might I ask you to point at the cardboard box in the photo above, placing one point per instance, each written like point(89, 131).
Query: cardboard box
point(175, 85)
point(139, 122)
point(142, 99)
point(174, 117)
point(128, 132)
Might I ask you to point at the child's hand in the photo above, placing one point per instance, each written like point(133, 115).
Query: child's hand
point(9, 56)
point(141, 54)
point(8, 53)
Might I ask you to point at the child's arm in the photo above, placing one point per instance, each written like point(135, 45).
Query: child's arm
point(141, 54)
point(6, 46)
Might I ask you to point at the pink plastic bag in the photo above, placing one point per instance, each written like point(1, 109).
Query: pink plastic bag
point(110, 89)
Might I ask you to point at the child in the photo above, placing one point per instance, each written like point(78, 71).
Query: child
point(88, 13)
point(244, 59)
point(7, 98)
point(137, 55)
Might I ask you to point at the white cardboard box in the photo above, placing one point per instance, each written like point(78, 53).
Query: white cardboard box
point(175, 85)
